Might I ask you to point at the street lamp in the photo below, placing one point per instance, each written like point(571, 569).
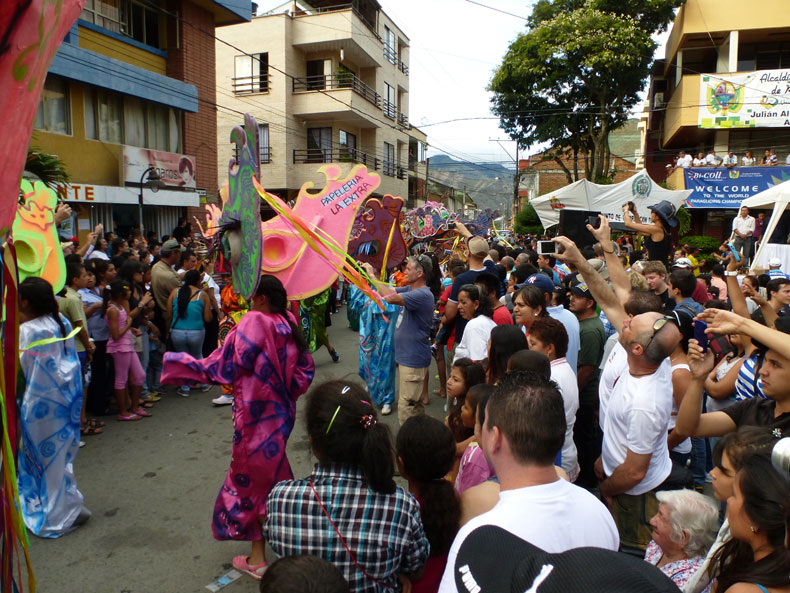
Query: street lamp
point(154, 183)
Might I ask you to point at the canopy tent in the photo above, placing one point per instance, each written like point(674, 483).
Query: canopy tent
point(777, 197)
point(606, 199)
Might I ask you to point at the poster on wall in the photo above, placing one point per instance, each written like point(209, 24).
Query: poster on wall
point(175, 170)
point(759, 99)
point(727, 188)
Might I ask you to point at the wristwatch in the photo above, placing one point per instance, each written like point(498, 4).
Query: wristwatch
point(728, 273)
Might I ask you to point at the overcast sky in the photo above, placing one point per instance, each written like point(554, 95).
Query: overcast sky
point(455, 47)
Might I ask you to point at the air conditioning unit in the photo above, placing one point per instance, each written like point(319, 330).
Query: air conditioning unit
point(658, 101)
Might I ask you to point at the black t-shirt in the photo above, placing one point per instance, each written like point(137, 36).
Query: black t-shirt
point(667, 304)
point(758, 411)
point(467, 277)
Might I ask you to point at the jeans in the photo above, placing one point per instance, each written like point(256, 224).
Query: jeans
point(154, 371)
point(189, 341)
point(144, 355)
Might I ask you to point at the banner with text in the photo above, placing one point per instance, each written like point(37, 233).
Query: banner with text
point(727, 188)
point(175, 170)
point(759, 99)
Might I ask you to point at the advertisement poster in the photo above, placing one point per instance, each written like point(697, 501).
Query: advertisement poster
point(759, 99)
point(727, 188)
point(175, 170)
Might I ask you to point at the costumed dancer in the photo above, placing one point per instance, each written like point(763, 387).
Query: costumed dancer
point(265, 358)
point(376, 347)
point(50, 415)
point(314, 315)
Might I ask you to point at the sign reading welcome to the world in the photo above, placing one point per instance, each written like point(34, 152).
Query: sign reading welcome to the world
point(727, 188)
point(759, 99)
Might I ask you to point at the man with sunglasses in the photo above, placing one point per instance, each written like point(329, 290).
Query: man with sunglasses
point(634, 461)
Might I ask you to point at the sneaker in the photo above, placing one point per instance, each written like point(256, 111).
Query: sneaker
point(204, 388)
point(222, 400)
point(386, 410)
point(335, 356)
point(82, 444)
point(183, 391)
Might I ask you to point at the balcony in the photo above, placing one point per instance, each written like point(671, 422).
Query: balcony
point(390, 109)
point(403, 67)
point(329, 82)
point(265, 154)
point(403, 120)
point(251, 85)
point(332, 28)
point(335, 155)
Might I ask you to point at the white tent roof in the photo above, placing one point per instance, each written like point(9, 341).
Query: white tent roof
point(606, 199)
point(777, 196)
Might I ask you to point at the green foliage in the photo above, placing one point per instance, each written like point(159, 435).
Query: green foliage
point(684, 220)
point(47, 167)
point(527, 221)
point(706, 244)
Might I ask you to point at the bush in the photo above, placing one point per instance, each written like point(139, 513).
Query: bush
point(706, 244)
point(527, 222)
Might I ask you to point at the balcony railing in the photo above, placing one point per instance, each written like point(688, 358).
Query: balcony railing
point(403, 67)
point(390, 55)
point(247, 85)
point(335, 155)
point(265, 155)
point(313, 11)
point(390, 109)
point(403, 120)
point(393, 169)
point(345, 80)
point(401, 172)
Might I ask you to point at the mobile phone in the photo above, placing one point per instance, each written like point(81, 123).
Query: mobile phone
point(546, 247)
point(734, 251)
point(594, 221)
point(451, 225)
point(631, 206)
point(700, 335)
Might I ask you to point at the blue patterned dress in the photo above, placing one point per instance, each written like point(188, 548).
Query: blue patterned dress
point(50, 417)
point(376, 346)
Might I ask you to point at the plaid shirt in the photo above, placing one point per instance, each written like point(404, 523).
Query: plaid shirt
point(384, 531)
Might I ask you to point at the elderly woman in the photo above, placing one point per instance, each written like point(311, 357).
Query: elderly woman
point(683, 530)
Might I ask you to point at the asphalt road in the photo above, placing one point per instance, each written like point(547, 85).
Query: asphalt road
point(151, 486)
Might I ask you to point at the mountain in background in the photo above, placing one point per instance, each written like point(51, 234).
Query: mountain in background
point(489, 185)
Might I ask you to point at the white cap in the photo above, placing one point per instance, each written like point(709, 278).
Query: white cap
point(774, 262)
point(682, 262)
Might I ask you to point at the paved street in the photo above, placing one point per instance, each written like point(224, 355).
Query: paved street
point(151, 486)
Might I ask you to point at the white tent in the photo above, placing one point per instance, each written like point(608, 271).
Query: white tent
point(778, 197)
point(606, 199)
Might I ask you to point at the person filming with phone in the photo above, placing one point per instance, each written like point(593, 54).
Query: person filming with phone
point(658, 241)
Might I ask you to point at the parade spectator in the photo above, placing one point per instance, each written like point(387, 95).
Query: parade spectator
point(505, 341)
point(748, 160)
point(717, 280)
point(534, 503)
point(473, 468)
point(477, 312)
point(592, 339)
point(529, 304)
point(730, 161)
point(712, 160)
point(349, 510)
point(265, 358)
point(658, 240)
point(775, 268)
point(759, 227)
point(743, 229)
point(683, 530)
point(656, 274)
point(163, 281)
point(561, 314)
point(303, 574)
point(684, 160)
point(489, 289)
point(699, 160)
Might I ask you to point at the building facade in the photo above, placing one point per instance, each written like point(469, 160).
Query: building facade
point(132, 90)
point(327, 83)
point(722, 86)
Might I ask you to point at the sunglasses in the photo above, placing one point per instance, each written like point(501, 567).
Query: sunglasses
point(656, 328)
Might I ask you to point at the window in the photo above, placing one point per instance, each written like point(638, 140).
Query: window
point(315, 75)
point(105, 13)
point(319, 145)
point(389, 101)
point(252, 74)
point(389, 46)
point(53, 110)
point(134, 122)
point(128, 17)
point(263, 136)
point(389, 159)
point(158, 127)
point(421, 147)
point(348, 146)
point(108, 115)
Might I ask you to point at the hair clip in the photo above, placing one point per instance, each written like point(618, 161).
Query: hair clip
point(332, 421)
point(345, 390)
point(365, 402)
point(367, 421)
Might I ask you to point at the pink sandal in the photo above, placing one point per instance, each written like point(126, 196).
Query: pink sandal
point(128, 418)
point(240, 563)
point(143, 413)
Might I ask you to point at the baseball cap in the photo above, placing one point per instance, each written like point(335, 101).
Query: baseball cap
point(682, 262)
point(172, 245)
point(542, 281)
point(582, 290)
point(599, 266)
point(477, 246)
point(774, 262)
point(492, 560)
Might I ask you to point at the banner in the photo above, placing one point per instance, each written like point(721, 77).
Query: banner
point(727, 188)
point(175, 170)
point(759, 99)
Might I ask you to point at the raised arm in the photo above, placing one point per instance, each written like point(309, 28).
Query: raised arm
point(726, 322)
point(617, 276)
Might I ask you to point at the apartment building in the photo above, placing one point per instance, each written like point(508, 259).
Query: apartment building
point(327, 83)
point(131, 92)
point(722, 86)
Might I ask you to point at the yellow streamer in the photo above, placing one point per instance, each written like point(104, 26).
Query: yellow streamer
point(387, 250)
point(47, 341)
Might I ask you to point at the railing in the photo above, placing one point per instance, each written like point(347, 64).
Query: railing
point(390, 54)
point(403, 67)
point(345, 80)
point(389, 168)
point(246, 85)
point(313, 11)
point(403, 120)
point(335, 155)
point(389, 109)
point(401, 172)
point(265, 154)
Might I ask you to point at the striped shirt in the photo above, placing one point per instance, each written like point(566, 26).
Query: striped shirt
point(383, 531)
point(745, 385)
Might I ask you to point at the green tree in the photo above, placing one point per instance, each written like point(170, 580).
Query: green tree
point(527, 221)
point(573, 76)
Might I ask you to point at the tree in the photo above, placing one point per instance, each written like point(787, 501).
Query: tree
point(574, 75)
point(527, 222)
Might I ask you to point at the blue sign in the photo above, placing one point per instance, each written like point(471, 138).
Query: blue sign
point(727, 188)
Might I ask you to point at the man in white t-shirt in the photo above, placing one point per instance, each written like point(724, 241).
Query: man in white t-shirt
point(523, 431)
point(743, 227)
point(684, 160)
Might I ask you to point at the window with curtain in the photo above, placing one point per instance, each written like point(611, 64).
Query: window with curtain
point(251, 74)
point(174, 133)
point(134, 122)
point(158, 124)
point(389, 159)
point(89, 108)
point(53, 110)
point(109, 116)
point(263, 135)
point(390, 52)
point(389, 104)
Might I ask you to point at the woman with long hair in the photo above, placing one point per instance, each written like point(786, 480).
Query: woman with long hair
point(141, 304)
point(49, 414)
point(349, 510)
point(658, 240)
point(188, 308)
point(757, 554)
point(265, 358)
point(505, 341)
point(478, 312)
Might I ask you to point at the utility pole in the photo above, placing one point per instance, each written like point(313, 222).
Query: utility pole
point(516, 179)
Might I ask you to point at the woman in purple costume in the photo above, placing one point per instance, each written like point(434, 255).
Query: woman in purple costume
point(265, 357)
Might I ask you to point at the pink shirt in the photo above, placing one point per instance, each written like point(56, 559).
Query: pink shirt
point(124, 343)
point(473, 469)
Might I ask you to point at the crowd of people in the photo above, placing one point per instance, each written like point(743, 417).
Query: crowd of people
point(685, 160)
point(592, 396)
